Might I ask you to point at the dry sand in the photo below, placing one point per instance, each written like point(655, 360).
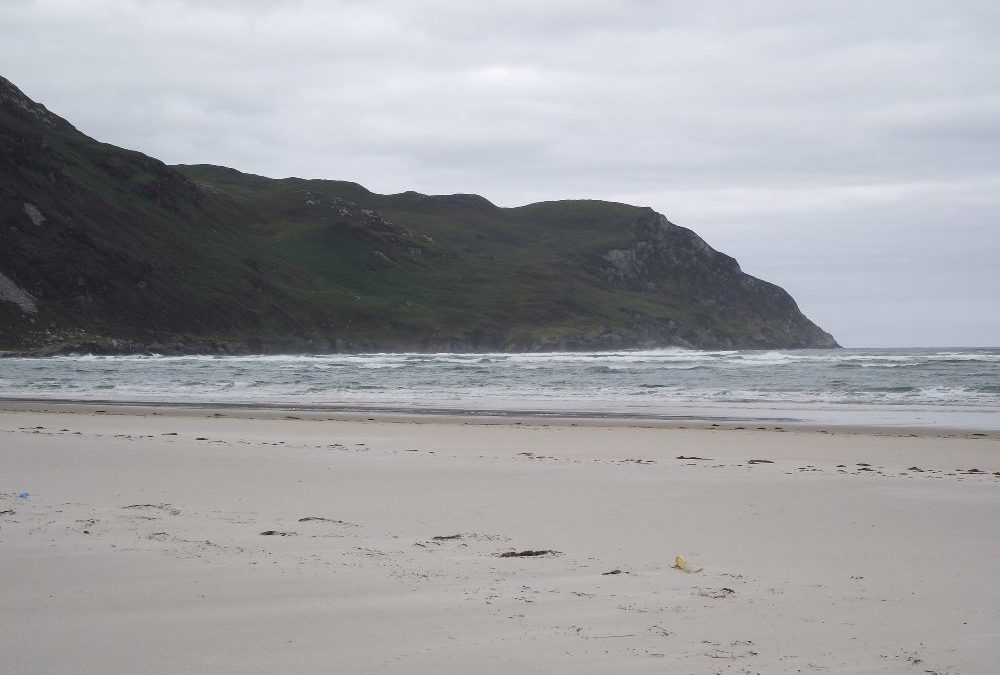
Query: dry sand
point(139, 547)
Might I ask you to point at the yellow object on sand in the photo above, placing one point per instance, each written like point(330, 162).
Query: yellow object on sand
point(682, 564)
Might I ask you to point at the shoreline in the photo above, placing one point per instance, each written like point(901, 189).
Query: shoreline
point(923, 391)
point(496, 417)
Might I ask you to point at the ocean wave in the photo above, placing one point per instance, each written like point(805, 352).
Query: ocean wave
point(943, 377)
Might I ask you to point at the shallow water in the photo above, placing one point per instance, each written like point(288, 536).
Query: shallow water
point(936, 387)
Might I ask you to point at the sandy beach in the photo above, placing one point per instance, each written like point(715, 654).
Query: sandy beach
point(159, 540)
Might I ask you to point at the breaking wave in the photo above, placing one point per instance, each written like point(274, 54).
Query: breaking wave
point(611, 380)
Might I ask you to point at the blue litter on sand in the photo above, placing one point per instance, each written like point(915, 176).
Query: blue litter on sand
point(23, 495)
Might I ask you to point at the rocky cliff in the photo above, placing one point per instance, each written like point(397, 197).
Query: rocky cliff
point(109, 250)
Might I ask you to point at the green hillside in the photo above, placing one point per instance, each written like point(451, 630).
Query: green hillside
point(110, 250)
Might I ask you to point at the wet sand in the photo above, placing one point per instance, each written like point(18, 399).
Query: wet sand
point(160, 540)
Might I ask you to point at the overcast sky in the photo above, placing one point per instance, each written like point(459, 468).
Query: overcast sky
point(847, 151)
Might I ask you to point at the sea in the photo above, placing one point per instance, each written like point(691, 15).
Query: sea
point(947, 388)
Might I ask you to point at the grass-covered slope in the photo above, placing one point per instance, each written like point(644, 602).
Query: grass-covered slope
point(107, 249)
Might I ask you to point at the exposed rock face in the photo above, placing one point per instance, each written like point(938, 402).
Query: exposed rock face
point(34, 214)
point(11, 292)
point(662, 253)
point(108, 250)
point(666, 258)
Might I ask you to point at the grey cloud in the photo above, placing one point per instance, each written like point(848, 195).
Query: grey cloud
point(782, 131)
